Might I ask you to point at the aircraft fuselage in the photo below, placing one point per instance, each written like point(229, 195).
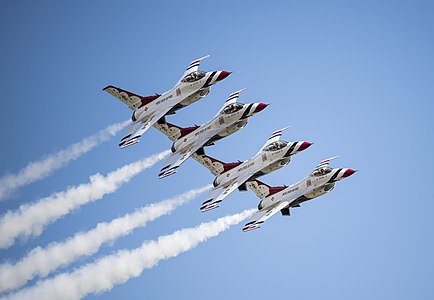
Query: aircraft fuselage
point(190, 91)
point(307, 189)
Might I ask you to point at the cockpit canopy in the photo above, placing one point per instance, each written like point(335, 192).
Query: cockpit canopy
point(321, 171)
point(276, 146)
point(233, 107)
point(193, 76)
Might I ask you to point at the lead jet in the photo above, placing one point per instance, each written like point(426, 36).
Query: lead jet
point(192, 86)
point(275, 154)
point(230, 118)
point(281, 198)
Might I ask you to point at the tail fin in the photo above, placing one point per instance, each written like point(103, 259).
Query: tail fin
point(133, 101)
point(214, 165)
point(172, 131)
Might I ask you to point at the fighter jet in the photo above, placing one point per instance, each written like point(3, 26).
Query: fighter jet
point(273, 155)
point(281, 198)
point(230, 118)
point(192, 86)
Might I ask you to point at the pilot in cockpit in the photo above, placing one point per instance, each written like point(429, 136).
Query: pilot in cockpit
point(231, 108)
point(321, 171)
point(275, 146)
point(194, 76)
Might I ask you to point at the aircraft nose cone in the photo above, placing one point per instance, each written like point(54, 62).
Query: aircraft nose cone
point(260, 107)
point(349, 172)
point(223, 75)
point(304, 146)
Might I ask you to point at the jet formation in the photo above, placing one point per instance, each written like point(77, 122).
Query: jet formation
point(191, 142)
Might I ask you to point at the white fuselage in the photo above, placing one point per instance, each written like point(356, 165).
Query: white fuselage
point(189, 92)
point(307, 189)
point(223, 124)
point(262, 163)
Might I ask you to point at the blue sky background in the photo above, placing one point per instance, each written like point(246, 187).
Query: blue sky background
point(354, 77)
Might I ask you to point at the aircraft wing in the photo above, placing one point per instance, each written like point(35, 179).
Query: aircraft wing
point(262, 215)
point(178, 158)
point(146, 123)
point(214, 165)
point(263, 190)
point(172, 131)
point(222, 192)
point(133, 101)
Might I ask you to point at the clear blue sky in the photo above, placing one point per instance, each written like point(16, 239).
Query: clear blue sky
point(354, 77)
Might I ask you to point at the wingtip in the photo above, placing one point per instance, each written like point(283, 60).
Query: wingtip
point(167, 173)
point(128, 143)
point(250, 228)
point(237, 92)
point(283, 129)
point(209, 207)
point(202, 58)
point(330, 158)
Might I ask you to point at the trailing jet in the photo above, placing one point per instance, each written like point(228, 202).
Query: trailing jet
point(192, 86)
point(230, 118)
point(273, 155)
point(281, 198)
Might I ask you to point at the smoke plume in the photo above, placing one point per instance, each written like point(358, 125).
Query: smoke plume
point(114, 269)
point(42, 261)
point(43, 168)
point(30, 219)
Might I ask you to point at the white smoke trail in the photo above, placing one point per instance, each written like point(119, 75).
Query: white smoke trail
point(114, 269)
point(41, 169)
point(41, 261)
point(30, 219)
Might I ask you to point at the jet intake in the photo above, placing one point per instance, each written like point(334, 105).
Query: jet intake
point(320, 191)
point(195, 97)
point(133, 117)
point(215, 183)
